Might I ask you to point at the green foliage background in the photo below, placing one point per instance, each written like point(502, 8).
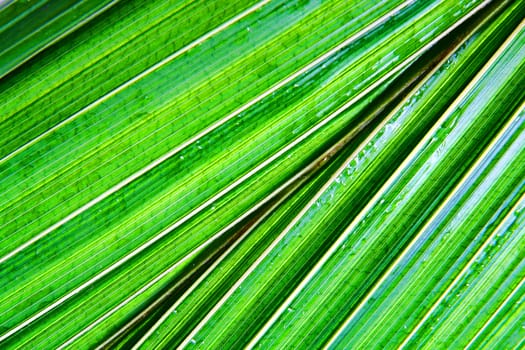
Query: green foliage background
point(262, 174)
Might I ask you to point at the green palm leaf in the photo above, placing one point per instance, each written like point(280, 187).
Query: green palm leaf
point(272, 174)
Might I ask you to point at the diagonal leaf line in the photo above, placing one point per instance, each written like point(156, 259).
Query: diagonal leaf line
point(502, 305)
point(174, 226)
point(165, 273)
point(357, 219)
point(50, 22)
point(213, 199)
point(332, 249)
point(138, 77)
point(413, 242)
point(57, 174)
point(141, 171)
point(58, 38)
point(307, 206)
point(297, 180)
point(461, 274)
point(210, 201)
point(212, 268)
point(174, 151)
point(287, 187)
point(20, 93)
point(236, 285)
point(283, 190)
point(140, 312)
point(21, 15)
point(114, 156)
point(399, 171)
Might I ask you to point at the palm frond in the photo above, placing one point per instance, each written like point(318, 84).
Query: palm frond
point(262, 174)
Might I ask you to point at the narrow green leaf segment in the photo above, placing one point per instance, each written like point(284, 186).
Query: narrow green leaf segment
point(28, 27)
point(262, 174)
